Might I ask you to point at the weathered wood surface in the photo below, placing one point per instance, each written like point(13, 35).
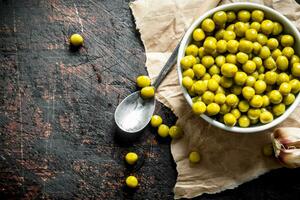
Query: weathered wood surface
point(57, 132)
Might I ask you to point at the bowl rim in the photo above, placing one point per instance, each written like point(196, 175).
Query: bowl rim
point(185, 40)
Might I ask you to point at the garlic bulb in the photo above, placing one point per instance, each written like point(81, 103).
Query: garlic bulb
point(286, 144)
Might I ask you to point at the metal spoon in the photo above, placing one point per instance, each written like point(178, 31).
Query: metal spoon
point(134, 113)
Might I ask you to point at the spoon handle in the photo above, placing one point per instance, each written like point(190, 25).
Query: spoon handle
point(168, 66)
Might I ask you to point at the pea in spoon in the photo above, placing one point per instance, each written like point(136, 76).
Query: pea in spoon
point(134, 113)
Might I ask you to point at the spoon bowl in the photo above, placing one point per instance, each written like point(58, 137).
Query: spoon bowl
point(134, 113)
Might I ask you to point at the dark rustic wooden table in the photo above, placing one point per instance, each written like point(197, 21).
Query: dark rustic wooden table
point(57, 132)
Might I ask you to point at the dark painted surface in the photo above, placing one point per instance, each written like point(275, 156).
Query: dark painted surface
point(57, 134)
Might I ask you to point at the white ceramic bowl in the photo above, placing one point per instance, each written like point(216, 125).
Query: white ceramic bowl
point(288, 27)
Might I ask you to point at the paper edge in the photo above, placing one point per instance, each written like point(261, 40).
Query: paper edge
point(230, 187)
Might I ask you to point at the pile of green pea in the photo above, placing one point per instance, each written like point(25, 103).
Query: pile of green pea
point(240, 68)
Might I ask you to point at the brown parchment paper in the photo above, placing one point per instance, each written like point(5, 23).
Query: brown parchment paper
point(227, 159)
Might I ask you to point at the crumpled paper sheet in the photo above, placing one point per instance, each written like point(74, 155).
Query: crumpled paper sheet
point(227, 159)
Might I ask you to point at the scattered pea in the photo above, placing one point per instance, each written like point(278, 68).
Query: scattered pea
point(132, 182)
point(131, 158)
point(147, 92)
point(156, 121)
point(194, 157)
point(143, 81)
point(175, 132)
point(268, 150)
point(76, 40)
